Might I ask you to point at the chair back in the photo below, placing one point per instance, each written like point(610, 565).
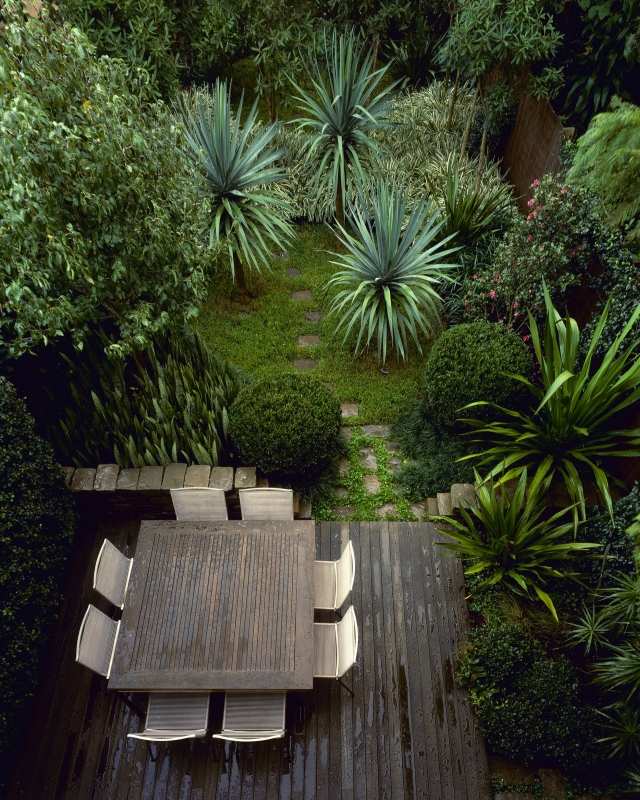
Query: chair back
point(111, 574)
point(347, 641)
point(97, 641)
point(267, 503)
point(199, 504)
point(253, 717)
point(345, 574)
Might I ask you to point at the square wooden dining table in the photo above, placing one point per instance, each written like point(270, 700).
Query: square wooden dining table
point(218, 606)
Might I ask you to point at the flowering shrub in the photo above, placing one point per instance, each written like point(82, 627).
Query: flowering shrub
point(562, 240)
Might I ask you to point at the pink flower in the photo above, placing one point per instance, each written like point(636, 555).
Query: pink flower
point(535, 184)
point(529, 238)
point(492, 294)
point(531, 203)
point(515, 304)
point(526, 337)
point(564, 190)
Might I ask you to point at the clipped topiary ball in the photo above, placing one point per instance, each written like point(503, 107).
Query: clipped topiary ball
point(286, 426)
point(467, 363)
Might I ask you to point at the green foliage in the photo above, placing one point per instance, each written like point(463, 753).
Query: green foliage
point(100, 214)
point(249, 215)
point(166, 404)
point(572, 427)
point(472, 212)
point(347, 103)
point(510, 541)
point(486, 34)
point(562, 241)
point(607, 162)
point(388, 274)
point(287, 426)
point(529, 705)
point(432, 454)
point(470, 362)
point(601, 55)
point(36, 525)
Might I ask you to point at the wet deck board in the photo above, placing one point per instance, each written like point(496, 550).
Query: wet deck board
point(408, 732)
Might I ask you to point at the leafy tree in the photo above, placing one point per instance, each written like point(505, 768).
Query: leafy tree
point(101, 219)
point(345, 108)
point(607, 161)
point(249, 216)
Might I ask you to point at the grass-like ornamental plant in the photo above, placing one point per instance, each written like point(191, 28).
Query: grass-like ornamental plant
point(510, 541)
point(388, 274)
point(346, 105)
point(572, 427)
point(250, 215)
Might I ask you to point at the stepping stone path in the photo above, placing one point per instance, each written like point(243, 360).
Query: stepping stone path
point(371, 484)
point(369, 459)
point(304, 364)
point(302, 296)
point(313, 316)
point(379, 431)
point(292, 272)
point(343, 467)
point(346, 433)
point(309, 340)
point(349, 409)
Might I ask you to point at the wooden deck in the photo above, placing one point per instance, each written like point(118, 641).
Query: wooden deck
point(408, 732)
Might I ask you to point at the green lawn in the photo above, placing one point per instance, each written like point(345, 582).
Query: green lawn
point(259, 333)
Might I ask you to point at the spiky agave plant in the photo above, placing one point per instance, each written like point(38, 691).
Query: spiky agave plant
point(346, 106)
point(389, 273)
point(508, 539)
point(571, 428)
point(250, 215)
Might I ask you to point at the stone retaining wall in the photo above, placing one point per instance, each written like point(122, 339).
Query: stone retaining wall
point(144, 491)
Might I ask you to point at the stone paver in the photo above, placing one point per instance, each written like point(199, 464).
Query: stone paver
point(346, 433)
point(395, 464)
point(386, 510)
point(371, 484)
point(349, 409)
point(292, 272)
point(341, 492)
point(392, 447)
point(418, 510)
point(303, 295)
point(308, 340)
point(304, 363)
point(313, 316)
point(343, 467)
point(344, 511)
point(379, 431)
point(369, 459)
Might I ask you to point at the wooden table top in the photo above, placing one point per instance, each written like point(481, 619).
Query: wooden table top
point(218, 606)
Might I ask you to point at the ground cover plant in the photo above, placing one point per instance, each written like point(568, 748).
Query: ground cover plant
point(101, 218)
point(36, 527)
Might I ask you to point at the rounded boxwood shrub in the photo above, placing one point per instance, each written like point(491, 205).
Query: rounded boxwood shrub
point(36, 524)
point(467, 363)
point(287, 426)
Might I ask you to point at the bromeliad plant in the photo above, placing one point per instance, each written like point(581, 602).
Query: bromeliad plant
point(389, 273)
point(509, 541)
point(346, 107)
point(572, 427)
point(250, 215)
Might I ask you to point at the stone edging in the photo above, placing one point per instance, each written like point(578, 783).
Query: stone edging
point(141, 488)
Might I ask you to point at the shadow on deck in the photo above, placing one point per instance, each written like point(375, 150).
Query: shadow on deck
point(408, 732)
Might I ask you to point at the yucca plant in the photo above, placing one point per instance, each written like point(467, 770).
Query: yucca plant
point(621, 729)
point(510, 541)
point(250, 214)
point(389, 273)
point(571, 428)
point(346, 105)
point(472, 209)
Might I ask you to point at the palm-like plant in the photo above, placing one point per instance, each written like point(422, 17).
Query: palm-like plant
point(347, 104)
point(571, 429)
point(241, 170)
point(388, 274)
point(510, 541)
